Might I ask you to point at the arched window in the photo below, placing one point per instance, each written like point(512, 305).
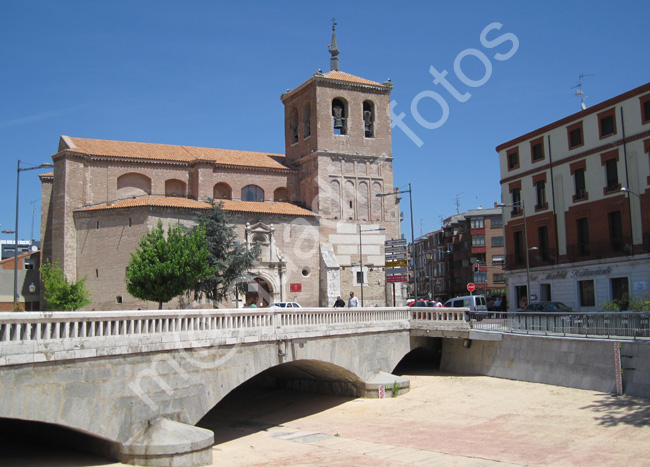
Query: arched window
point(306, 120)
point(252, 193)
point(222, 191)
point(281, 194)
point(132, 185)
point(369, 119)
point(293, 125)
point(175, 187)
point(340, 116)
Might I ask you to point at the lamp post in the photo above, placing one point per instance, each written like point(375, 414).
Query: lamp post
point(18, 170)
point(32, 289)
point(361, 256)
point(629, 201)
point(414, 256)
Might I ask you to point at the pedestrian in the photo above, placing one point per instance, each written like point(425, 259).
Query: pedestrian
point(339, 303)
point(523, 302)
point(353, 301)
point(497, 304)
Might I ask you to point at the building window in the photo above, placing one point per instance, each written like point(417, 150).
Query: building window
point(615, 231)
point(306, 120)
point(29, 265)
point(611, 175)
point(620, 292)
point(574, 133)
point(478, 223)
point(339, 116)
point(645, 108)
point(360, 279)
point(519, 247)
point(499, 278)
point(513, 159)
point(118, 299)
point(369, 119)
point(130, 222)
point(542, 238)
point(497, 241)
point(480, 277)
point(96, 273)
point(607, 123)
point(252, 193)
point(540, 188)
point(478, 240)
point(583, 236)
point(496, 223)
point(579, 181)
point(537, 150)
point(586, 291)
point(545, 292)
point(516, 201)
point(97, 226)
point(293, 125)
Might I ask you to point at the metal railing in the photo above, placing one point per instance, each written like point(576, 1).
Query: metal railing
point(596, 324)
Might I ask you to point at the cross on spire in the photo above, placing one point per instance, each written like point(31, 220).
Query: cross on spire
point(334, 51)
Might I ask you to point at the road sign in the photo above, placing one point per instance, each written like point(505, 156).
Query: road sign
point(395, 264)
point(394, 271)
point(471, 287)
point(397, 278)
point(401, 241)
point(395, 249)
point(396, 257)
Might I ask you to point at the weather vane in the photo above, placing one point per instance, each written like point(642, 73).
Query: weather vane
point(333, 24)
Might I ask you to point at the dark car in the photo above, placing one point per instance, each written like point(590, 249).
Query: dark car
point(550, 307)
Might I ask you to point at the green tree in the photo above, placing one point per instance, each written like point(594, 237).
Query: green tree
point(164, 267)
point(60, 294)
point(229, 259)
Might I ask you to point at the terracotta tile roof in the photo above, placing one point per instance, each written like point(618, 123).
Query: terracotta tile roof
point(185, 203)
point(169, 152)
point(341, 76)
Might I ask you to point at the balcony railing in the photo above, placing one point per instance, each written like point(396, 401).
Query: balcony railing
point(596, 250)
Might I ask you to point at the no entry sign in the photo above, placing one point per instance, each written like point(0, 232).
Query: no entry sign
point(471, 287)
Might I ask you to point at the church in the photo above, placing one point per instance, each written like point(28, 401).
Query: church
point(313, 210)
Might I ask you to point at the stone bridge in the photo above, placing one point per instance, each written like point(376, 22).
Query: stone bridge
point(139, 381)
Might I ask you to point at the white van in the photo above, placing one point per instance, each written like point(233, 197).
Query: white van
point(473, 302)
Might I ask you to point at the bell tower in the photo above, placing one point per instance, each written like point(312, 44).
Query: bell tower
point(338, 133)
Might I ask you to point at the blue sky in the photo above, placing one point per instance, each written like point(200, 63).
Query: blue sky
point(206, 73)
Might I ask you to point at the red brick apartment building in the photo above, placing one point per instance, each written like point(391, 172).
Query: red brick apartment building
point(577, 221)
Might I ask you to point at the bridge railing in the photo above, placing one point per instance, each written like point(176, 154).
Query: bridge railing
point(35, 336)
point(594, 324)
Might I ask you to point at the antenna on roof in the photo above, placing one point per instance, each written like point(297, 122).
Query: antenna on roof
point(458, 202)
point(580, 92)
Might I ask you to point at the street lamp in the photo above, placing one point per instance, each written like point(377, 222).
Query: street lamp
point(520, 205)
point(414, 255)
point(18, 170)
point(32, 289)
point(361, 256)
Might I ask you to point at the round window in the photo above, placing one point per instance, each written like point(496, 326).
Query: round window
point(306, 271)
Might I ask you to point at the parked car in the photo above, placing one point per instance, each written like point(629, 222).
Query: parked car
point(473, 302)
point(286, 304)
point(551, 307)
point(421, 303)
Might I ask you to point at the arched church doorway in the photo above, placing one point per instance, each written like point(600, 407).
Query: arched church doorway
point(259, 293)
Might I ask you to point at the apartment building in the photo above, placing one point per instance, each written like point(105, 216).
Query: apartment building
point(577, 221)
point(469, 248)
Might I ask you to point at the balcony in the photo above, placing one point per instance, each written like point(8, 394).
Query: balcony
point(536, 258)
point(597, 250)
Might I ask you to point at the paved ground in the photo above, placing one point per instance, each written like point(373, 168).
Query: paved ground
point(443, 420)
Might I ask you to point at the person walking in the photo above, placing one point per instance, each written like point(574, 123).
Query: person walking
point(353, 301)
point(339, 303)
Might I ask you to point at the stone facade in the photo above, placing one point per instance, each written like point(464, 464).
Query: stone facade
point(103, 196)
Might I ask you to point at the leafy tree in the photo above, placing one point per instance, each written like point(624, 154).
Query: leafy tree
point(60, 294)
point(164, 267)
point(229, 259)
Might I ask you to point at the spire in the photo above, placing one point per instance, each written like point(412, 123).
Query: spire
point(334, 60)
